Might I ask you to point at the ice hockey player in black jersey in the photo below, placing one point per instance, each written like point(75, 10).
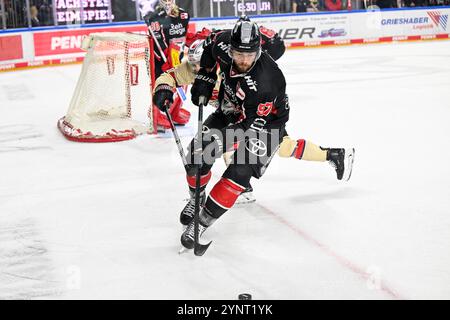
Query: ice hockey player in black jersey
point(253, 113)
point(169, 24)
point(252, 100)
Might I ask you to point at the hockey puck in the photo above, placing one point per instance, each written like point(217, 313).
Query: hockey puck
point(245, 296)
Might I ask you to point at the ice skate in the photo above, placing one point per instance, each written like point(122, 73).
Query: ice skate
point(187, 215)
point(342, 161)
point(246, 197)
point(187, 238)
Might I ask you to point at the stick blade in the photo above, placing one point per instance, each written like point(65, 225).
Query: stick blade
point(200, 249)
point(349, 158)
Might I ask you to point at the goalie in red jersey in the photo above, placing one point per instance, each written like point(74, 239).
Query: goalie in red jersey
point(169, 24)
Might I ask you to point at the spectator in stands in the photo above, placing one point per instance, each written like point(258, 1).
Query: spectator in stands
point(34, 17)
point(124, 10)
point(283, 6)
point(415, 3)
point(385, 4)
point(439, 2)
point(333, 5)
point(313, 6)
point(45, 13)
point(14, 15)
point(300, 5)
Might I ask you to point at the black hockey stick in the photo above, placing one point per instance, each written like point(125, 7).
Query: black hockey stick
point(161, 52)
point(176, 136)
point(199, 249)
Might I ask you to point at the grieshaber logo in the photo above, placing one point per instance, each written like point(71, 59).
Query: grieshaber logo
point(434, 19)
point(257, 147)
point(438, 19)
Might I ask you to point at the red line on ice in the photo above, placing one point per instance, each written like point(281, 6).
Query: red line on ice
point(342, 260)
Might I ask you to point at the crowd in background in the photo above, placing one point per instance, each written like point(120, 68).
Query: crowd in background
point(41, 11)
point(16, 13)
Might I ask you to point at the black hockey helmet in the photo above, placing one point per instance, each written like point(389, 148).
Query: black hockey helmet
point(245, 36)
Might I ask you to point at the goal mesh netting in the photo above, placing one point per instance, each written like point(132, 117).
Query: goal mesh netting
point(112, 100)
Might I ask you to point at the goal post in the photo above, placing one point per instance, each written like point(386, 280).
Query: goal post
point(112, 100)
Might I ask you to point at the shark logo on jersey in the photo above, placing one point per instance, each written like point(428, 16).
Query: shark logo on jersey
point(251, 84)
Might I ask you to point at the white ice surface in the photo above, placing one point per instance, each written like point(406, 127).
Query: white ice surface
point(101, 220)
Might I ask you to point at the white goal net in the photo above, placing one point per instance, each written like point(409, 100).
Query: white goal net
point(112, 100)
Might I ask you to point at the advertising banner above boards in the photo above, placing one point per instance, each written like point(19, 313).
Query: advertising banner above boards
point(11, 47)
point(54, 46)
point(430, 21)
point(64, 42)
point(348, 27)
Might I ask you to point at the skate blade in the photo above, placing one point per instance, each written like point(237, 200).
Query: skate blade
point(243, 202)
point(349, 158)
point(246, 198)
point(184, 250)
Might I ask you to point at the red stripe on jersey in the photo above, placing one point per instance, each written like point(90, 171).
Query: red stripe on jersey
point(203, 180)
point(299, 149)
point(225, 193)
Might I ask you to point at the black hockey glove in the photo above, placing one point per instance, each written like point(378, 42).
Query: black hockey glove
point(203, 86)
point(163, 96)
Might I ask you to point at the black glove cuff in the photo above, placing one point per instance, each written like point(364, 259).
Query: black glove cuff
point(206, 76)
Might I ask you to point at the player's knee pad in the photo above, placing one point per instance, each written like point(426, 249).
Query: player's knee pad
point(222, 197)
point(204, 179)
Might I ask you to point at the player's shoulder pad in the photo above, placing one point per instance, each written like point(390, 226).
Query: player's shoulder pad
point(221, 43)
point(218, 36)
point(268, 61)
point(269, 68)
point(223, 36)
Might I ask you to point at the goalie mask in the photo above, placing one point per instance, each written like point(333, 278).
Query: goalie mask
point(195, 54)
point(167, 5)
